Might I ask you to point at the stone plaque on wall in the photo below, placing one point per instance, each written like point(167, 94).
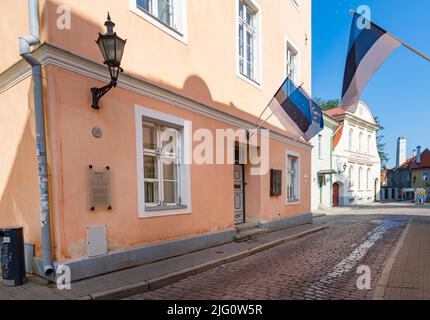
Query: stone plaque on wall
point(99, 183)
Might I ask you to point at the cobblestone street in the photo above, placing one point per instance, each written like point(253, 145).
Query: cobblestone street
point(321, 266)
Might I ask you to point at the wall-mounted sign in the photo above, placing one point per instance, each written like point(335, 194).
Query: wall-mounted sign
point(99, 188)
point(275, 183)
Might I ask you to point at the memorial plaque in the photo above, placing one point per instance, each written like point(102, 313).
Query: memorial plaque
point(99, 188)
point(275, 183)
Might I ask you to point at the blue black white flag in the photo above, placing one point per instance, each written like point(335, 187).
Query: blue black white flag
point(300, 116)
point(369, 47)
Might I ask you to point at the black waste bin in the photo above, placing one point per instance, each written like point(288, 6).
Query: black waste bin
point(12, 256)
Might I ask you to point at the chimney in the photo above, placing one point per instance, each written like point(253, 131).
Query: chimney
point(418, 161)
point(401, 151)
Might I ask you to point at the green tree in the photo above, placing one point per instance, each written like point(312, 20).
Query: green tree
point(334, 103)
point(327, 104)
point(381, 144)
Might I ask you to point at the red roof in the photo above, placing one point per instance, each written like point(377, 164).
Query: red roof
point(335, 112)
point(425, 161)
point(407, 162)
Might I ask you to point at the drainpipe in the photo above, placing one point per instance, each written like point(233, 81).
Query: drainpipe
point(25, 44)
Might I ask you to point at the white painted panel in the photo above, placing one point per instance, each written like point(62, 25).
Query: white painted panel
point(97, 241)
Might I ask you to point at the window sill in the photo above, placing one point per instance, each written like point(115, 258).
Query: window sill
point(250, 81)
point(158, 212)
point(293, 202)
point(176, 34)
point(165, 208)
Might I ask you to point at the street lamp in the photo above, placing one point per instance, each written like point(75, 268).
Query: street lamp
point(112, 49)
point(344, 168)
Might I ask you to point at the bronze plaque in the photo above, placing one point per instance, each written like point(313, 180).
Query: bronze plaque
point(99, 188)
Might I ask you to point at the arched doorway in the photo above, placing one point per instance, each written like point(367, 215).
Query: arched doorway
point(336, 194)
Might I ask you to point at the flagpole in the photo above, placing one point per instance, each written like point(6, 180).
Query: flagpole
point(255, 129)
point(422, 55)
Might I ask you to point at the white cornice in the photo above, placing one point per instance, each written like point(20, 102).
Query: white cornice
point(49, 54)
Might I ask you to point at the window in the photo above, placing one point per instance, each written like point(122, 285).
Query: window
point(426, 179)
point(320, 153)
point(360, 142)
point(162, 160)
point(293, 174)
point(350, 178)
point(369, 141)
point(350, 141)
point(248, 40)
point(163, 171)
point(360, 178)
point(293, 63)
point(167, 15)
point(160, 9)
point(368, 179)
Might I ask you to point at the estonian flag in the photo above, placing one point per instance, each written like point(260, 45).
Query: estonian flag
point(369, 47)
point(300, 116)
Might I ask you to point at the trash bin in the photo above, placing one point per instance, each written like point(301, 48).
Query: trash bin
point(12, 256)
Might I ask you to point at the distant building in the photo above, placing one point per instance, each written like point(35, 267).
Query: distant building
point(322, 164)
point(355, 157)
point(420, 170)
point(411, 174)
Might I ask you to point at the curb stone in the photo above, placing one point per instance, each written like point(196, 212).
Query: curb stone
point(160, 282)
point(379, 292)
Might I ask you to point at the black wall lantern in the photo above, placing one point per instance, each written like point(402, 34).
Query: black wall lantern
point(112, 49)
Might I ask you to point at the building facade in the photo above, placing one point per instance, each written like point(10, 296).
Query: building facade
point(322, 165)
point(355, 157)
point(409, 176)
point(186, 75)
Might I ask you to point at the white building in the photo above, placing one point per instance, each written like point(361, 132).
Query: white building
point(322, 165)
point(355, 157)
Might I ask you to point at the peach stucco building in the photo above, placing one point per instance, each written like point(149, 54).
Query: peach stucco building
point(196, 65)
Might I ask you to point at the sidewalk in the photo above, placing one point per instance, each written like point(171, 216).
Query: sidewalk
point(407, 273)
point(155, 275)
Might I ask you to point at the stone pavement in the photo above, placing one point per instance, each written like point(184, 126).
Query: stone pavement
point(321, 266)
point(409, 277)
point(160, 273)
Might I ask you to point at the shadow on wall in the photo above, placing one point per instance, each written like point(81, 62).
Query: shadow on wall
point(194, 87)
point(19, 200)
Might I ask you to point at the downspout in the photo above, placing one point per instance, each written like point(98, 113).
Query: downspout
point(25, 44)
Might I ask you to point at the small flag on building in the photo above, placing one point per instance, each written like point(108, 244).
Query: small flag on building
point(300, 116)
point(369, 47)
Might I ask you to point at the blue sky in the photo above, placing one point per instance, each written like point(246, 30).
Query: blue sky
point(399, 92)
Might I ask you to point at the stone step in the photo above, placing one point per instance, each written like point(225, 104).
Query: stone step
point(250, 234)
point(246, 226)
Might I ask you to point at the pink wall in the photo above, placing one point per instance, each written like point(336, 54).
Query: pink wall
point(210, 52)
point(212, 185)
point(203, 70)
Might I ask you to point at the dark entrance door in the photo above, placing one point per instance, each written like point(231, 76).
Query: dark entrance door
point(336, 195)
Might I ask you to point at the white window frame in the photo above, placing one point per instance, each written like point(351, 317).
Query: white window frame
point(298, 177)
point(289, 43)
point(360, 178)
point(180, 16)
point(369, 174)
point(351, 139)
point(258, 79)
point(142, 114)
point(351, 178)
point(369, 141)
point(320, 144)
point(360, 142)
